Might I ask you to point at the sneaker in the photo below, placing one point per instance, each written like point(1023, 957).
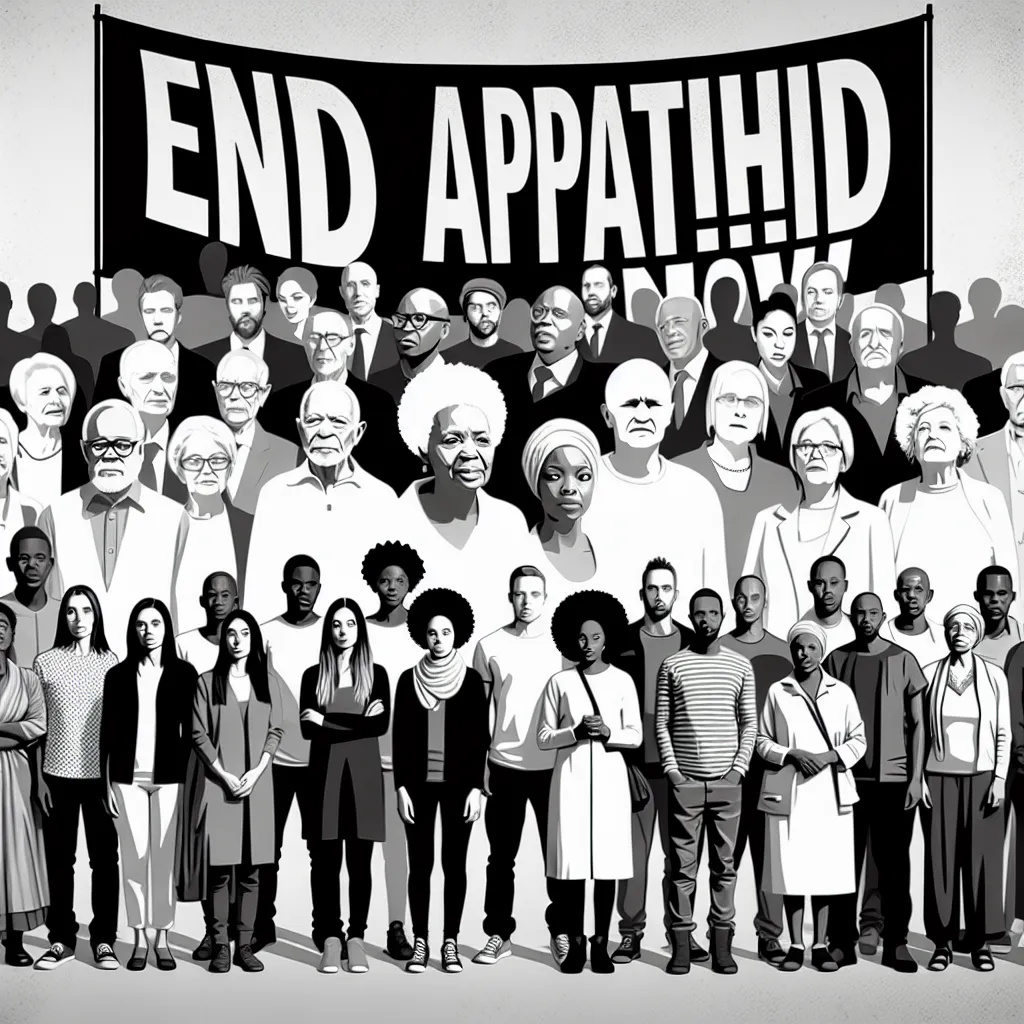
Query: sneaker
point(559, 948)
point(56, 955)
point(1002, 945)
point(496, 948)
point(629, 950)
point(869, 941)
point(398, 947)
point(450, 960)
point(420, 955)
point(770, 951)
point(330, 959)
point(357, 963)
point(103, 954)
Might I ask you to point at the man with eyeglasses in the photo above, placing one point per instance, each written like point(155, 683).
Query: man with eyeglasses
point(375, 347)
point(482, 301)
point(420, 324)
point(609, 337)
point(242, 387)
point(113, 534)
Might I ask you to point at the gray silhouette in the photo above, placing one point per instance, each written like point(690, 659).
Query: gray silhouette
point(978, 335)
point(645, 307)
point(90, 336)
point(204, 318)
point(844, 315)
point(915, 333)
point(1009, 334)
point(13, 345)
point(42, 301)
point(728, 339)
point(515, 324)
point(942, 361)
point(126, 284)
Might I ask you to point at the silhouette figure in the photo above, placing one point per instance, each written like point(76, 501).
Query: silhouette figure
point(515, 324)
point(844, 315)
point(13, 345)
point(90, 336)
point(126, 284)
point(978, 335)
point(1009, 335)
point(42, 301)
point(458, 332)
point(645, 307)
point(728, 339)
point(785, 288)
point(942, 362)
point(204, 318)
point(915, 333)
point(57, 343)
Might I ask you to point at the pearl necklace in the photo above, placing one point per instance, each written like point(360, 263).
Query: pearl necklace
point(730, 469)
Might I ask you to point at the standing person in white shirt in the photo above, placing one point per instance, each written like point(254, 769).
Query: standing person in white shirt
point(515, 664)
point(219, 598)
point(293, 644)
point(911, 629)
point(375, 347)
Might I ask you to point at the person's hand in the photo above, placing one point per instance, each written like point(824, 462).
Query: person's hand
point(110, 801)
point(808, 764)
point(596, 729)
point(581, 732)
point(374, 708)
point(472, 811)
point(231, 782)
point(309, 715)
point(926, 796)
point(247, 783)
point(43, 797)
point(405, 811)
point(914, 788)
point(675, 776)
point(732, 777)
point(996, 793)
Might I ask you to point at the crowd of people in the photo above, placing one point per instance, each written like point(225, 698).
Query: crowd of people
point(763, 599)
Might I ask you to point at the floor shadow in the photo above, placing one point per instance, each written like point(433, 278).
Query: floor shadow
point(304, 941)
point(536, 956)
point(285, 949)
point(378, 954)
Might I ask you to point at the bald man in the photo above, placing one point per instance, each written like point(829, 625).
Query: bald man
point(421, 323)
point(375, 348)
point(219, 598)
point(912, 629)
point(681, 328)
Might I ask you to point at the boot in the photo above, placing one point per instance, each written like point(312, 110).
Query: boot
point(680, 960)
point(600, 961)
point(577, 958)
point(722, 961)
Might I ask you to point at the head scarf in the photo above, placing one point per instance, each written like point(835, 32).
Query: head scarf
point(811, 628)
point(557, 433)
point(438, 679)
point(972, 613)
point(940, 681)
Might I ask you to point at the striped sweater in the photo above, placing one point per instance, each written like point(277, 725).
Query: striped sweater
point(706, 713)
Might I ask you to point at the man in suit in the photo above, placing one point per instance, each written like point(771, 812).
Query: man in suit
point(869, 397)
point(554, 380)
point(482, 301)
point(375, 346)
point(246, 291)
point(160, 301)
point(681, 329)
point(243, 384)
point(821, 344)
point(608, 337)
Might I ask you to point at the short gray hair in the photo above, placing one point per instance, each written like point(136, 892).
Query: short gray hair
point(717, 387)
point(188, 428)
point(24, 368)
point(130, 351)
point(113, 403)
point(836, 420)
point(262, 370)
point(335, 386)
point(897, 321)
point(934, 396)
point(1017, 359)
point(7, 421)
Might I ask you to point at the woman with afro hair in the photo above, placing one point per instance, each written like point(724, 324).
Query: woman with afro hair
point(589, 715)
point(440, 737)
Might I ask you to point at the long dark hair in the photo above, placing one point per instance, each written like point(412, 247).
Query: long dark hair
point(255, 663)
point(361, 663)
point(136, 652)
point(63, 638)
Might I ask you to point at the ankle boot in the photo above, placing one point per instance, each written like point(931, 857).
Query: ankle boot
point(680, 960)
point(600, 961)
point(722, 961)
point(577, 958)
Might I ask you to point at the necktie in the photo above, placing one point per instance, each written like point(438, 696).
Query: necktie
point(147, 477)
point(678, 400)
point(595, 341)
point(820, 355)
point(358, 365)
point(543, 375)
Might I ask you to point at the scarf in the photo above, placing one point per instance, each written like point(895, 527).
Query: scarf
point(437, 680)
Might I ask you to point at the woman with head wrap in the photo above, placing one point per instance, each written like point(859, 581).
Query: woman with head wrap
point(812, 733)
point(967, 712)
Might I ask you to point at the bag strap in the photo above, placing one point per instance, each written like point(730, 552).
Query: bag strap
point(812, 706)
point(586, 686)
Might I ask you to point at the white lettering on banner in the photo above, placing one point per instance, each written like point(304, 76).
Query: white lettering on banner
point(554, 175)
point(163, 136)
point(805, 196)
point(505, 177)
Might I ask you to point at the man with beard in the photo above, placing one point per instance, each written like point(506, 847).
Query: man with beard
point(821, 344)
point(160, 301)
point(246, 292)
point(911, 629)
point(827, 585)
point(329, 506)
point(994, 595)
point(889, 685)
point(375, 347)
point(31, 561)
point(219, 599)
point(608, 337)
point(420, 325)
point(648, 643)
point(770, 658)
point(482, 301)
point(113, 534)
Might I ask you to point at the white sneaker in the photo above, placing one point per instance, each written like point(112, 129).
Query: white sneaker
point(357, 962)
point(330, 960)
point(559, 948)
point(496, 948)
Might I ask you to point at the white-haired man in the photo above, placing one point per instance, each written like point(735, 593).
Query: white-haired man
point(113, 534)
point(821, 344)
point(329, 507)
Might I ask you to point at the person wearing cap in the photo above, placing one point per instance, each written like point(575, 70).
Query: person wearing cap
point(482, 302)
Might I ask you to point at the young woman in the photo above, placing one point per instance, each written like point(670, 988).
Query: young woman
point(72, 674)
point(144, 744)
point(589, 715)
point(24, 893)
point(236, 727)
point(345, 707)
point(441, 735)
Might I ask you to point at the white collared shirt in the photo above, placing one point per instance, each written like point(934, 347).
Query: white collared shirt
point(694, 368)
point(774, 386)
point(602, 335)
point(255, 345)
point(1015, 460)
point(243, 442)
point(175, 351)
point(369, 338)
point(560, 370)
point(830, 344)
point(162, 438)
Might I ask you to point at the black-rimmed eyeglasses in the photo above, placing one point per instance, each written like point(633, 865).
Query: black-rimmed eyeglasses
point(99, 446)
point(825, 448)
point(247, 389)
point(195, 463)
point(418, 320)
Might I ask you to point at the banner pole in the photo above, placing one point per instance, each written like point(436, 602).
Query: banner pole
point(97, 190)
point(929, 166)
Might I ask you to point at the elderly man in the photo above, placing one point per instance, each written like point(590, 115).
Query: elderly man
point(242, 387)
point(329, 507)
point(160, 301)
point(869, 397)
point(375, 347)
point(31, 562)
point(482, 301)
point(420, 325)
point(608, 337)
point(114, 534)
point(246, 292)
point(821, 344)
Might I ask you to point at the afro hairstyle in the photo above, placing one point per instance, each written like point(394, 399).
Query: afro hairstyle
point(440, 601)
point(392, 552)
point(576, 609)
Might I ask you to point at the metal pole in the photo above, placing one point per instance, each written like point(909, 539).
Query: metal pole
point(928, 171)
point(96, 143)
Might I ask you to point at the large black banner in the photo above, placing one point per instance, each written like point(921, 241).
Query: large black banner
point(671, 173)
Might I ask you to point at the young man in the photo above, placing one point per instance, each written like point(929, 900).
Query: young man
point(219, 599)
point(828, 587)
point(515, 663)
point(706, 724)
point(994, 595)
point(31, 561)
point(912, 629)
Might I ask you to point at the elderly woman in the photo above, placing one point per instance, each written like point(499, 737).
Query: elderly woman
point(967, 709)
point(16, 509)
point(812, 734)
point(737, 414)
point(786, 540)
point(946, 510)
point(44, 393)
point(453, 419)
point(213, 532)
point(589, 715)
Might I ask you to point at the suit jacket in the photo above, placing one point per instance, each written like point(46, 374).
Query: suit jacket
point(385, 352)
point(694, 429)
point(287, 361)
point(843, 363)
point(774, 444)
point(268, 456)
point(624, 340)
point(983, 397)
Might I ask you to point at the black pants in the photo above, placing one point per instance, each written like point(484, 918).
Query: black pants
point(878, 817)
point(325, 884)
point(60, 833)
point(427, 799)
point(1015, 869)
point(752, 832)
point(289, 784)
point(511, 790)
point(226, 915)
point(572, 901)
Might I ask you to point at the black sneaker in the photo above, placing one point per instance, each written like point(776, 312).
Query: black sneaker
point(104, 956)
point(628, 950)
point(420, 955)
point(398, 947)
point(246, 959)
point(450, 961)
point(55, 956)
point(770, 951)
